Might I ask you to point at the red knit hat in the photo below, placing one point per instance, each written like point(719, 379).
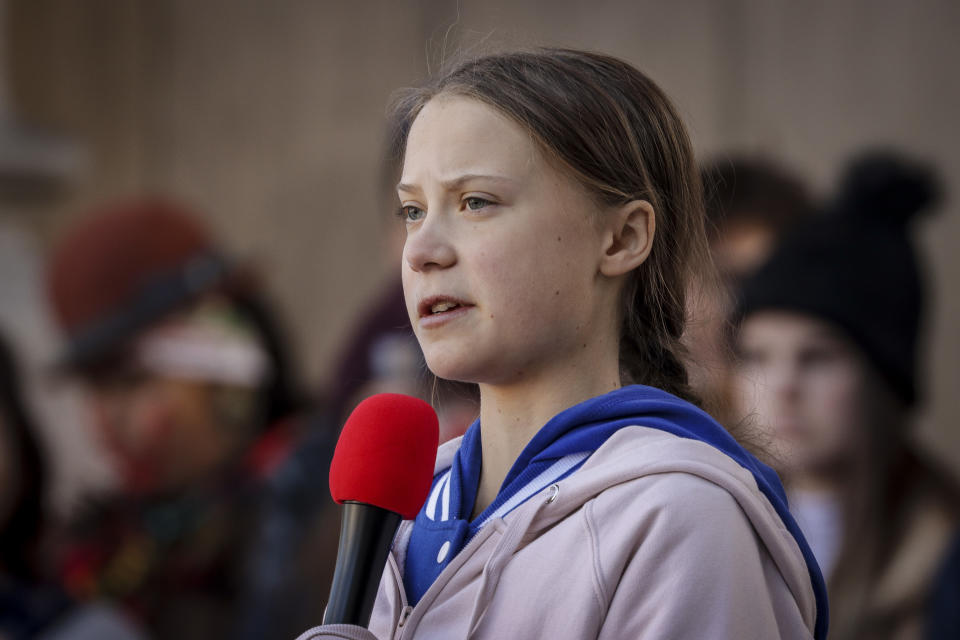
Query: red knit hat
point(122, 267)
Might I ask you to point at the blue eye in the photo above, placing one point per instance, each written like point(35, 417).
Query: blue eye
point(411, 213)
point(475, 203)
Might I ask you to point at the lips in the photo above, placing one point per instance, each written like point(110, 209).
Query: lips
point(437, 311)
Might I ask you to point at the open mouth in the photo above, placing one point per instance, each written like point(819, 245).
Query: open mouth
point(438, 306)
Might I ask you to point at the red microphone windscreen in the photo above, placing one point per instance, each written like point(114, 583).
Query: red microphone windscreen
point(386, 453)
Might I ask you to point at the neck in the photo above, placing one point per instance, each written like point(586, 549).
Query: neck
point(512, 414)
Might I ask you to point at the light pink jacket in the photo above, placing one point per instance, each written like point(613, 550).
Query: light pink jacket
point(655, 537)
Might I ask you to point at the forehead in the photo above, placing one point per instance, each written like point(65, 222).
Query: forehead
point(456, 135)
point(781, 326)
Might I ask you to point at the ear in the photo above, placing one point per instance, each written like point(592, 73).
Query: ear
point(628, 237)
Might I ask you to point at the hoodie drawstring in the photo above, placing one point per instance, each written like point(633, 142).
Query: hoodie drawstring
point(493, 569)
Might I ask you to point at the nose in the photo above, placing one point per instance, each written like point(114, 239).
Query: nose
point(429, 246)
point(784, 382)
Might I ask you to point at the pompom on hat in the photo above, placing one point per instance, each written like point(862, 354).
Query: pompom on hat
point(125, 266)
point(855, 265)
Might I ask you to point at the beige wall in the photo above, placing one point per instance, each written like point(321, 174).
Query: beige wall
point(267, 115)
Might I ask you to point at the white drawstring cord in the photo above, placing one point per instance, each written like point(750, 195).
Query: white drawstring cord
point(492, 570)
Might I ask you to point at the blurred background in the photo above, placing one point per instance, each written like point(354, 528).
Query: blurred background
point(267, 118)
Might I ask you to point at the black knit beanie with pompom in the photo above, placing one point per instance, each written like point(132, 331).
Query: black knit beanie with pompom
point(855, 265)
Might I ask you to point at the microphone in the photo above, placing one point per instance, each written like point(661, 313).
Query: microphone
point(381, 472)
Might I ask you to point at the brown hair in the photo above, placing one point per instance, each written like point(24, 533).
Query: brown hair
point(617, 134)
point(753, 189)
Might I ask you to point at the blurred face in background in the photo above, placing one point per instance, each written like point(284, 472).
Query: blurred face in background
point(805, 384)
point(179, 403)
point(160, 432)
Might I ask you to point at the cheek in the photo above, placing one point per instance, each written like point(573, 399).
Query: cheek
point(522, 302)
point(407, 278)
point(835, 410)
point(533, 281)
point(149, 419)
point(499, 276)
point(157, 415)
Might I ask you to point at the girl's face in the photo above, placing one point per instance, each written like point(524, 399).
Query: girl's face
point(806, 385)
point(500, 264)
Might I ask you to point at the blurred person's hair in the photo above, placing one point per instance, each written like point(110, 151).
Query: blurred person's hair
point(752, 189)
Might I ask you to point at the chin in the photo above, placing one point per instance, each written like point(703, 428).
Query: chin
point(448, 370)
point(455, 365)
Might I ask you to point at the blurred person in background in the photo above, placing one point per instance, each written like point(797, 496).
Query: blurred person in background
point(828, 350)
point(32, 605)
point(222, 470)
point(750, 202)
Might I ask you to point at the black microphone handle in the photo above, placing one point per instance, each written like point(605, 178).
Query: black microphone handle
point(366, 533)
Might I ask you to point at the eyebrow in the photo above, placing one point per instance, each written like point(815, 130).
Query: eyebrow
point(458, 182)
point(827, 335)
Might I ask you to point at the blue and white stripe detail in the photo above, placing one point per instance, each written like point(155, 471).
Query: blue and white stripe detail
point(438, 504)
point(441, 488)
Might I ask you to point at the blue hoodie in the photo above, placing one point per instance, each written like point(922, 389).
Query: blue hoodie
point(558, 449)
